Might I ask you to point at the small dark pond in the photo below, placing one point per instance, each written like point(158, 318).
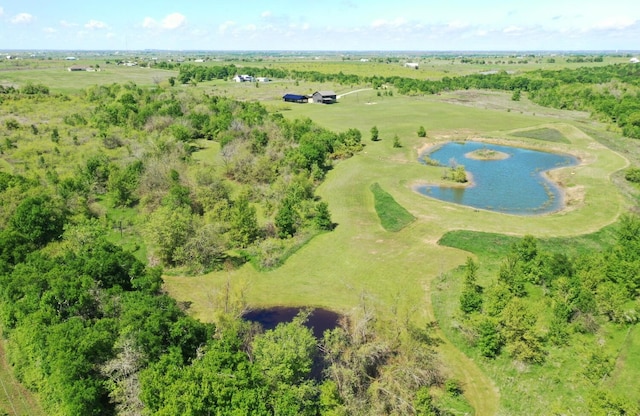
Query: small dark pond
point(319, 321)
point(514, 185)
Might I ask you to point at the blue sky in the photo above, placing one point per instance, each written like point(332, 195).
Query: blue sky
point(320, 25)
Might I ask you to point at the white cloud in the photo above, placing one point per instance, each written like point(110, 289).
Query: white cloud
point(170, 22)
point(22, 18)
point(95, 24)
point(384, 23)
point(224, 27)
point(614, 23)
point(266, 14)
point(173, 21)
point(49, 30)
point(1, 11)
point(149, 23)
point(512, 30)
point(64, 23)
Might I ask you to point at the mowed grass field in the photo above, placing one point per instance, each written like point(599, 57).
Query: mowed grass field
point(56, 76)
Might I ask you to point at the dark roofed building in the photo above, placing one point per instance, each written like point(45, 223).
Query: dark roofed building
point(325, 97)
point(295, 98)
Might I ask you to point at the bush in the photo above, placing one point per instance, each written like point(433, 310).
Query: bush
point(453, 387)
point(12, 124)
point(632, 175)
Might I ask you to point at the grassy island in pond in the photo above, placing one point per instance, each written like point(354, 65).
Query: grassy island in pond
point(487, 154)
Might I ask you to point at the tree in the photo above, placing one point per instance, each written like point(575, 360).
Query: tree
point(490, 340)
point(244, 223)
point(521, 340)
point(204, 251)
point(422, 132)
point(396, 141)
point(286, 219)
point(39, 219)
point(471, 296)
point(169, 228)
point(323, 216)
point(510, 273)
point(516, 95)
point(124, 182)
point(285, 354)
point(375, 134)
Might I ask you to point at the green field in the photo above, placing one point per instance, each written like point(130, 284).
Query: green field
point(405, 273)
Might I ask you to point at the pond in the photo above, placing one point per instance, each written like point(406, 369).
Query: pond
point(319, 321)
point(505, 179)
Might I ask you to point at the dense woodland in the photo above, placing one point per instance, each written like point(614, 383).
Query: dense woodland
point(89, 329)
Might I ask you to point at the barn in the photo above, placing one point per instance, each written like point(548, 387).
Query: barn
point(295, 98)
point(325, 97)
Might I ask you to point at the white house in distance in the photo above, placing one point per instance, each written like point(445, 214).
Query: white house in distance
point(243, 78)
point(412, 65)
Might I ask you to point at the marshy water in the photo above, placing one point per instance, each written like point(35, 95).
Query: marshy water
point(515, 184)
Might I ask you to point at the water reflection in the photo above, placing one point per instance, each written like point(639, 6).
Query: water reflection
point(515, 184)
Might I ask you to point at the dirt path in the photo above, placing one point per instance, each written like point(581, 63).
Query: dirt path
point(354, 91)
point(479, 390)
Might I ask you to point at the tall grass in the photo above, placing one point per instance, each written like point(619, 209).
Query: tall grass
point(393, 216)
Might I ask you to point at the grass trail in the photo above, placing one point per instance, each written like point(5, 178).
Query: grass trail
point(15, 400)
point(479, 390)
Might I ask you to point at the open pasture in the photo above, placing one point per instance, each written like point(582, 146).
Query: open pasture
point(59, 80)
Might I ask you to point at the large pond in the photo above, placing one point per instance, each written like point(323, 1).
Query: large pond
point(512, 181)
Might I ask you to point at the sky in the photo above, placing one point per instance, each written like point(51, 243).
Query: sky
point(335, 25)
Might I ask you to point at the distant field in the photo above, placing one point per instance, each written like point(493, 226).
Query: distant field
point(430, 67)
point(56, 76)
point(53, 72)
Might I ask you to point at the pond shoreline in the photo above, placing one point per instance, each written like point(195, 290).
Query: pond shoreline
point(567, 198)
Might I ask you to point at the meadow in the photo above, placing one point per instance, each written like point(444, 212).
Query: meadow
point(406, 274)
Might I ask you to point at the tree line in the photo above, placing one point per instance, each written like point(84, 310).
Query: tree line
point(609, 92)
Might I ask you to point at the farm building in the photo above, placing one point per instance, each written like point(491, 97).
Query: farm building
point(634, 60)
point(295, 98)
point(325, 97)
point(413, 65)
